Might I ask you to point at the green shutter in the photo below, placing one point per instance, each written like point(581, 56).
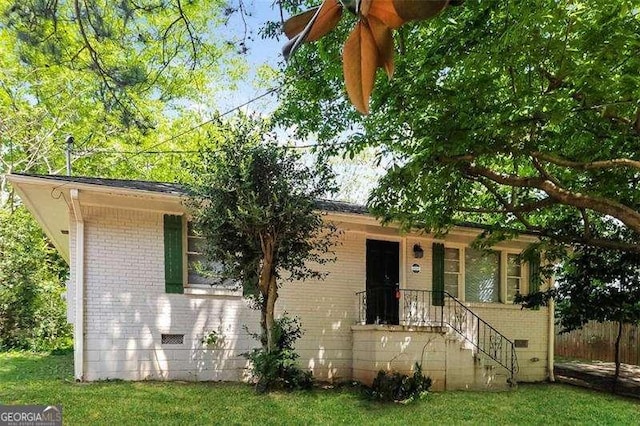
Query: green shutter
point(173, 254)
point(534, 275)
point(438, 274)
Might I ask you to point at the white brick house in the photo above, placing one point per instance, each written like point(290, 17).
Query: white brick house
point(375, 310)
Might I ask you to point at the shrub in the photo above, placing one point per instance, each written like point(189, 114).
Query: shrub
point(32, 275)
point(399, 387)
point(278, 369)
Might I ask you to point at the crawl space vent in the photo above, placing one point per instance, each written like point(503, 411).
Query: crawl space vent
point(172, 339)
point(521, 343)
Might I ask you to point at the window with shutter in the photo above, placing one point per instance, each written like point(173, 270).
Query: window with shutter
point(203, 272)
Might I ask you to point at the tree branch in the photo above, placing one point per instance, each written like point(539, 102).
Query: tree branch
point(95, 57)
point(576, 239)
point(597, 242)
point(543, 172)
point(627, 215)
point(509, 208)
point(192, 38)
point(592, 165)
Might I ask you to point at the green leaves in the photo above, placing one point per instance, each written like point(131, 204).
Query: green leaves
point(119, 77)
point(247, 192)
point(32, 275)
point(477, 93)
point(599, 285)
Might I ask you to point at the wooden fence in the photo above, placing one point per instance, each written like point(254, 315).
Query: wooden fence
point(596, 341)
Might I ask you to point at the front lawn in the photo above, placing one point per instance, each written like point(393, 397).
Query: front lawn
point(47, 379)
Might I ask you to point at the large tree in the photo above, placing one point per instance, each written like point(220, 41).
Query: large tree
point(522, 116)
point(254, 202)
point(126, 79)
point(121, 77)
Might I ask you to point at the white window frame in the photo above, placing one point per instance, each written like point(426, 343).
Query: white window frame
point(201, 289)
point(461, 272)
point(504, 276)
point(503, 263)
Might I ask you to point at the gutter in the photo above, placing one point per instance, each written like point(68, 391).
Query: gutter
point(78, 326)
point(551, 340)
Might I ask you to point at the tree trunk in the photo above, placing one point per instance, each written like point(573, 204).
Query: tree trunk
point(269, 292)
point(264, 280)
point(269, 314)
point(616, 375)
point(263, 323)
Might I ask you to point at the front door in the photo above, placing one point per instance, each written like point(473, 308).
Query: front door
point(383, 278)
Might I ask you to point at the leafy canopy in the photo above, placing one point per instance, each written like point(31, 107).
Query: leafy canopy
point(523, 116)
point(598, 285)
point(121, 77)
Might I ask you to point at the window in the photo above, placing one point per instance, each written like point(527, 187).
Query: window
point(477, 275)
point(451, 270)
point(200, 271)
point(186, 267)
point(514, 276)
point(482, 276)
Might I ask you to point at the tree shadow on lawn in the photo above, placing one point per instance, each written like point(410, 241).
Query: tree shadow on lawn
point(29, 366)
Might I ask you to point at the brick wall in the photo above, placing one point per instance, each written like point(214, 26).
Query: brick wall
point(127, 309)
point(444, 358)
point(327, 309)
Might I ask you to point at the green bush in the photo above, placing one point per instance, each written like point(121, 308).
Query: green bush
point(32, 275)
point(399, 387)
point(278, 369)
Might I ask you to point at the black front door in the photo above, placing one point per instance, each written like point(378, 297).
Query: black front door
point(383, 278)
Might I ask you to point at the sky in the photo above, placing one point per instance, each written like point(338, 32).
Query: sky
point(261, 52)
point(355, 177)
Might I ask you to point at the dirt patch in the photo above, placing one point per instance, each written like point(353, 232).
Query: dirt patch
point(599, 375)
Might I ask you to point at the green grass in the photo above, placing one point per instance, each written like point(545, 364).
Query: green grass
point(47, 379)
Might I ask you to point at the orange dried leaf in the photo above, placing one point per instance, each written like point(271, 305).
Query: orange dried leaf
point(384, 43)
point(365, 5)
point(294, 25)
point(411, 10)
point(328, 18)
point(385, 11)
point(359, 61)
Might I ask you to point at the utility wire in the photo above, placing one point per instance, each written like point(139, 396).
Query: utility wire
point(93, 152)
point(152, 151)
point(204, 123)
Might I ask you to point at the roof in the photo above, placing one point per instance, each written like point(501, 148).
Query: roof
point(180, 190)
point(141, 185)
point(51, 200)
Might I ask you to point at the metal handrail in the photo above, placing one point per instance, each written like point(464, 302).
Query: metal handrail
point(492, 349)
point(421, 307)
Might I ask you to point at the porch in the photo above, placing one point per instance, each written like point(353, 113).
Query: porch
point(397, 328)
